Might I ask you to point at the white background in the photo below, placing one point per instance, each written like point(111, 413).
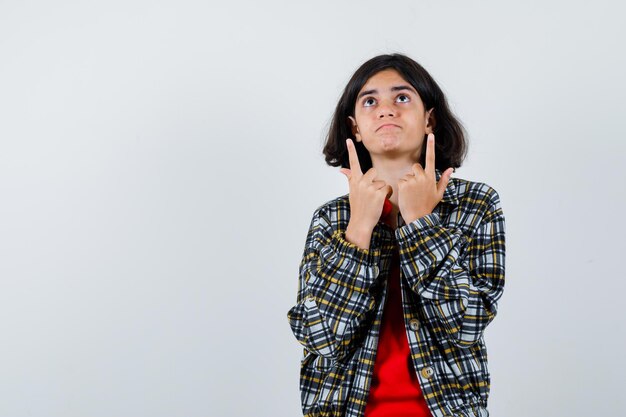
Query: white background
point(160, 162)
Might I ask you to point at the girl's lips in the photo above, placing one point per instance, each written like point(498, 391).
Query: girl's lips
point(388, 126)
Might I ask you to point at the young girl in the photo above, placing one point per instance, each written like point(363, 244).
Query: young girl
point(400, 277)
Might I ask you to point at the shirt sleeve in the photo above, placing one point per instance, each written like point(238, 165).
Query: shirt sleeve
point(460, 278)
point(333, 299)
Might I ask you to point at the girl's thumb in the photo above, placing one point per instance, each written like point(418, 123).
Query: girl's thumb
point(346, 172)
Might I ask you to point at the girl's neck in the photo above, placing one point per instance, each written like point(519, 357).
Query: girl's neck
point(390, 171)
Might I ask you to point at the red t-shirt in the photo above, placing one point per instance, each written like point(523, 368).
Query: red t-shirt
point(395, 389)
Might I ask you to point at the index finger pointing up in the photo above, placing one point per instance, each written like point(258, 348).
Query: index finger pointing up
point(355, 166)
point(430, 154)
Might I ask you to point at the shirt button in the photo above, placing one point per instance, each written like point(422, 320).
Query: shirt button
point(414, 324)
point(375, 271)
point(427, 372)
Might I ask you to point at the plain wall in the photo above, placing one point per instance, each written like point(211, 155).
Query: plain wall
point(160, 162)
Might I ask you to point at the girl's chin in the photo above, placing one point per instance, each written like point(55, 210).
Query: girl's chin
point(389, 142)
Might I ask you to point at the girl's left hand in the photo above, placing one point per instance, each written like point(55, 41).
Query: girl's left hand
point(418, 191)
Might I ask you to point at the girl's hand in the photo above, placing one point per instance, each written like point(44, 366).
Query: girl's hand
point(418, 191)
point(367, 195)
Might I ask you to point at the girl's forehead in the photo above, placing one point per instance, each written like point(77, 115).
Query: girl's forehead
point(383, 77)
point(386, 81)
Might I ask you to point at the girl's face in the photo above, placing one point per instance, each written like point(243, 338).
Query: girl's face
point(390, 118)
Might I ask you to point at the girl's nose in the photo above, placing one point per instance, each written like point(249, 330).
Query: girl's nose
point(386, 110)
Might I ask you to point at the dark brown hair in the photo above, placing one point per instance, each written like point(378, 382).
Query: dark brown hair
point(450, 142)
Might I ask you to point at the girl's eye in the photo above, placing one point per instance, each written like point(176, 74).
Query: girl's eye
point(405, 96)
point(367, 100)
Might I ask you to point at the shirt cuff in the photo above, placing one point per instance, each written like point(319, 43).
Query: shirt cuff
point(352, 252)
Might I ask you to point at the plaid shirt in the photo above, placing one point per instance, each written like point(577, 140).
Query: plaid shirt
point(452, 264)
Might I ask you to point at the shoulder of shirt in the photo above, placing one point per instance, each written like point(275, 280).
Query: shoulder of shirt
point(472, 194)
point(466, 188)
point(340, 203)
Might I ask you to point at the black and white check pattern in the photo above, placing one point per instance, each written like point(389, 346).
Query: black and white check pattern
point(452, 268)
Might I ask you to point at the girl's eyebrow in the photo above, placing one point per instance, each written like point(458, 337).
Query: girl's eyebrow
point(396, 88)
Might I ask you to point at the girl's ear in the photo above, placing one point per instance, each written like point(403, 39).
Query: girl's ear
point(431, 122)
point(354, 128)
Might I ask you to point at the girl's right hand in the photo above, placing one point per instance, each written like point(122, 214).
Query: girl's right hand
point(367, 195)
